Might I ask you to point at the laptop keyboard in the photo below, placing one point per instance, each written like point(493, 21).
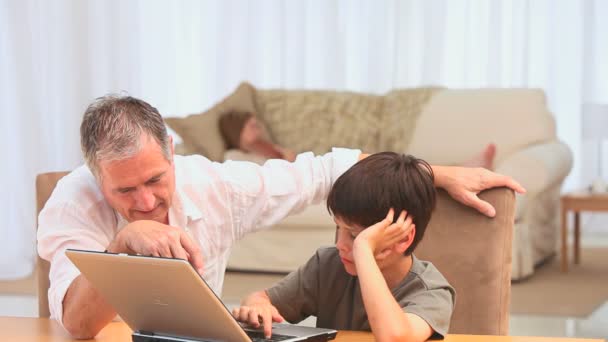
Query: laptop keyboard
point(258, 336)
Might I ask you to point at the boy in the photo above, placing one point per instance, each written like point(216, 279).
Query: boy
point(370, 280)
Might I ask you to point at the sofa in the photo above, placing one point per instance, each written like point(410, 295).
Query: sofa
point(442, 126)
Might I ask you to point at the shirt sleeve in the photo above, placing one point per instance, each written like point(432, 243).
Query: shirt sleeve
point(261, 196)
point(62, 226)
point(296, 295)
point(435, 306)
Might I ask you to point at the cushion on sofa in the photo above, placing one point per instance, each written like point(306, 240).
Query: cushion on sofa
point(402, 107)
point(335, 119)
point(200, 132)
point(372, 123)
point(456, 122)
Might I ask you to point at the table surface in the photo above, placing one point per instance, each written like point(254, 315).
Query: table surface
point(586, 193)
point(583, 196)
point(577, 202)
point(45, 330)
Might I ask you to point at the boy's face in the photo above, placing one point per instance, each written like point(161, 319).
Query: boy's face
point(346, 235)
point(344, 243)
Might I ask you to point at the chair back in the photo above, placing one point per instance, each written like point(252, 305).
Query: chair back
point(474, 253)
point(45, 184)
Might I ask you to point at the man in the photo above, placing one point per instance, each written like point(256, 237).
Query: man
point(135, 196)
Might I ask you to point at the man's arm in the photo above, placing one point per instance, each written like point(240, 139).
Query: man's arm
point(264, 195)
point(85, 311)
point(464, 183)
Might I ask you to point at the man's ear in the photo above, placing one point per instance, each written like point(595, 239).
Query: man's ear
point(401, 246)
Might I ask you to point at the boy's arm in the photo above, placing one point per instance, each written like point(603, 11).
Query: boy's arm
point(293, 298)
point(255, 308)
point(387, 320)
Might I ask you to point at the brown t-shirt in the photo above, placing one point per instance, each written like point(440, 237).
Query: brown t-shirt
point(322, 288)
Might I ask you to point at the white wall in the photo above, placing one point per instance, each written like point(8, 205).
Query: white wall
point(182, 56)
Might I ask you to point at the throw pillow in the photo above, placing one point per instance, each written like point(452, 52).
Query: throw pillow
point(200, 132)
point(309, 120)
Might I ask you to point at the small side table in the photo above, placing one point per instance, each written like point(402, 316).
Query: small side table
point(576, 202)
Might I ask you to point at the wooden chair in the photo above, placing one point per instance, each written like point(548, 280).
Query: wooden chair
point(45, 184)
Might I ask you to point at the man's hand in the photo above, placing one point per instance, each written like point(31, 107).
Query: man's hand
point(463, 184)
point(382, 236)
point(257, 308)
point(156, 239)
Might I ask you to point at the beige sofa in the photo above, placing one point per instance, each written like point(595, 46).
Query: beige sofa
point(443, 126)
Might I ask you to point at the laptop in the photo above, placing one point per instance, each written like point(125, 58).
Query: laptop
point(164, 299)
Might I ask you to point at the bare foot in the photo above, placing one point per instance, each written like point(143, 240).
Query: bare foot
point(485, 158)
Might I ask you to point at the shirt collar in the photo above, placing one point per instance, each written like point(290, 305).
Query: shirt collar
point(190, 209)
point(183, 209)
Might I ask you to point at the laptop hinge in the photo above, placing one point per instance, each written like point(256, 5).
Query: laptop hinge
point(148, 336)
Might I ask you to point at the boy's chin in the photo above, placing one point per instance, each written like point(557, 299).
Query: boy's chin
point(350, 269)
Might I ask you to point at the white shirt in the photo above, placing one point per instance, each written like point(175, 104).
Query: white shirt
point(216, 203)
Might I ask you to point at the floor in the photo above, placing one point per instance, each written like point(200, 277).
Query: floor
point(594, 326)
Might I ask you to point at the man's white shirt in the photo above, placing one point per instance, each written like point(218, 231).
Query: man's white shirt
point(215, 203)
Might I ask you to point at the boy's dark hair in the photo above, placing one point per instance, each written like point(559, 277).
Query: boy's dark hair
point(364, 194)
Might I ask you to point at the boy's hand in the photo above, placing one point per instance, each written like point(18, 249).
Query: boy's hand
point(382, 236)
point(256, 313)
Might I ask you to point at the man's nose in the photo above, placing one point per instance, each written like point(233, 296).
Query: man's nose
point(145, 199)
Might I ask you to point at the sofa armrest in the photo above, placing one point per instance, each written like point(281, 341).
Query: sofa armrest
point(473, 252)
point(539, 166)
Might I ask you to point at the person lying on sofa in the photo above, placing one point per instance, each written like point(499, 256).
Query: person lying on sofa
point(371, 279)
point(134, 195)
point(484, 158)
point(246, 138)
point(242, 131)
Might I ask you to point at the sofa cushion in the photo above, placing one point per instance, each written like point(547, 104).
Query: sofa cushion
point(200, 132)
point(455, 124)
point(315, 215)
point(306, 120)
point(402, 107)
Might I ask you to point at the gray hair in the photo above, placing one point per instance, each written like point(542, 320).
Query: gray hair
point(112, 129)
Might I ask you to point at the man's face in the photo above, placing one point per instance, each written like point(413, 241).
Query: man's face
point(140, 187)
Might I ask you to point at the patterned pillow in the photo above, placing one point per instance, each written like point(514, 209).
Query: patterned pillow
point(307, 120)
point(200, 132)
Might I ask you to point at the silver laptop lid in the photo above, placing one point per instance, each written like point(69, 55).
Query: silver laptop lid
point(161, 295)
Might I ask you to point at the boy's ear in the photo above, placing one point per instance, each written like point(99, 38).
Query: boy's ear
point(401, 246)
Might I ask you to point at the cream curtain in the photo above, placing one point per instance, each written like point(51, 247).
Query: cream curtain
point(182, 56)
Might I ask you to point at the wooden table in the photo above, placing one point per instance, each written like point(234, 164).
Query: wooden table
point(577, 202)
point(45, 330)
